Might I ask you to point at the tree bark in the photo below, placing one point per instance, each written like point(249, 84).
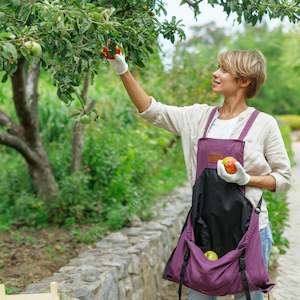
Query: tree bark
point(25, 137)
point(78, 129)
point(77, 146)
point(43, 179)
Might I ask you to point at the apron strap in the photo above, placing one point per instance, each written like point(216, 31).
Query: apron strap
point(182, 271)
point(248, 124)
point(257, 209)
point(212, 113)
point(245, 129)
point(242, 262)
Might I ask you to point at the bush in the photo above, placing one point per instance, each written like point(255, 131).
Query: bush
point(277, 205)
point(28, 210)
point(76, 202)
point(293, 121)
point(286, 135)
point(18, 206)
point(126, 166)
point(278, 215)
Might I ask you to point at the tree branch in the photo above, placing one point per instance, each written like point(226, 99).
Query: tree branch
point(12, 128)
point(32, 93)
point(21, 105)
point(189, 2)
point(192, 3)
point(20, 146)
point(78, 133)
point(85, 87)
point(90, 105)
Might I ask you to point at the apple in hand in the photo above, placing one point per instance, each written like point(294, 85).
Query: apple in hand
point(229, 164)
point(106, 53)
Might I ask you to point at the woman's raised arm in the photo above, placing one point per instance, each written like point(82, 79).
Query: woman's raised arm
point(136, 93)
point(176, 119)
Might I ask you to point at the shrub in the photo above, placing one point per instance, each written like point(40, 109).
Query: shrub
point(291, 120)
point(122, 164)
point(76, 203)
point(277, 205)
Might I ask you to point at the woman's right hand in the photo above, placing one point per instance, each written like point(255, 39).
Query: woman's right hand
point(118, 62)
point(137, 94)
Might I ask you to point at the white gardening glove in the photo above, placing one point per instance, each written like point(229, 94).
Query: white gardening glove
point(119, 64)
point(240, 176)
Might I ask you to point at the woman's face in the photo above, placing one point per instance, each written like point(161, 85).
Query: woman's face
point(224, 83)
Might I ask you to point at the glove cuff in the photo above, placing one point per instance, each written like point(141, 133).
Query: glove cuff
point(123, 70)
point(119, 64)
point(245, 180)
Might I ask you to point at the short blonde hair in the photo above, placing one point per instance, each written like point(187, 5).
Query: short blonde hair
point(245, 64)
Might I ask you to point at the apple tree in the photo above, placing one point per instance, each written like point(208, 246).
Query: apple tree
point(65, 39)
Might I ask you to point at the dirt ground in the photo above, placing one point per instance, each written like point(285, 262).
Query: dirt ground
point(29, 256)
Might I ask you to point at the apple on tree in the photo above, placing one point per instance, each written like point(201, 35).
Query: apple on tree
point(106, 52)
point(85, 119)
point(34, 48)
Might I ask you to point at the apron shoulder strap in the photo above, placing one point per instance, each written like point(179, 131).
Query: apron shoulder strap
point(249, 124)
point(245, 129)
point(211, 115)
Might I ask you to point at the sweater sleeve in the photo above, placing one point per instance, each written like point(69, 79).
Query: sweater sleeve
point(277, 157)
point(175, 119)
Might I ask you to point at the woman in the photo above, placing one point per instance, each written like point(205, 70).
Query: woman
point(265, 161)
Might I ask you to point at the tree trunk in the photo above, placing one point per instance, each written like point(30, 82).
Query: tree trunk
point(77, 146)
point(37, 164)
point(25, 137)
point(43, 180)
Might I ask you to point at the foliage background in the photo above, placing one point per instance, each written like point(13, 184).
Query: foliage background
point(127, 162)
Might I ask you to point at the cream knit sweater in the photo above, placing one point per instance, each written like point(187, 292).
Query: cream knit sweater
point(264, 152)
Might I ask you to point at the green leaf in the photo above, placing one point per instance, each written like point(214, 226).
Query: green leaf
point(4, 78)
point(84, 27)
point(10, 50)
point(24, 13)
point(5, 35)
point(16, 2)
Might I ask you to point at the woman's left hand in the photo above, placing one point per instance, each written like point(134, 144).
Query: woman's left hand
point(240, 176)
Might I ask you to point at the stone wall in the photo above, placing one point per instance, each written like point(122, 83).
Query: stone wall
point(127, 265)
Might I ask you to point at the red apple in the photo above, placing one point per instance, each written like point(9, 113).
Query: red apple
point(229, 164)
point(106, 53)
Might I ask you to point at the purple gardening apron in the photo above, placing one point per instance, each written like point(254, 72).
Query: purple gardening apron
point(223, 220)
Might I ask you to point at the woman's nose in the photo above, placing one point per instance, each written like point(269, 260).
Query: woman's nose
point(215, 73)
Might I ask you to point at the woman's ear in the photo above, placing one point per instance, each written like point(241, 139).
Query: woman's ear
point(244, 82)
